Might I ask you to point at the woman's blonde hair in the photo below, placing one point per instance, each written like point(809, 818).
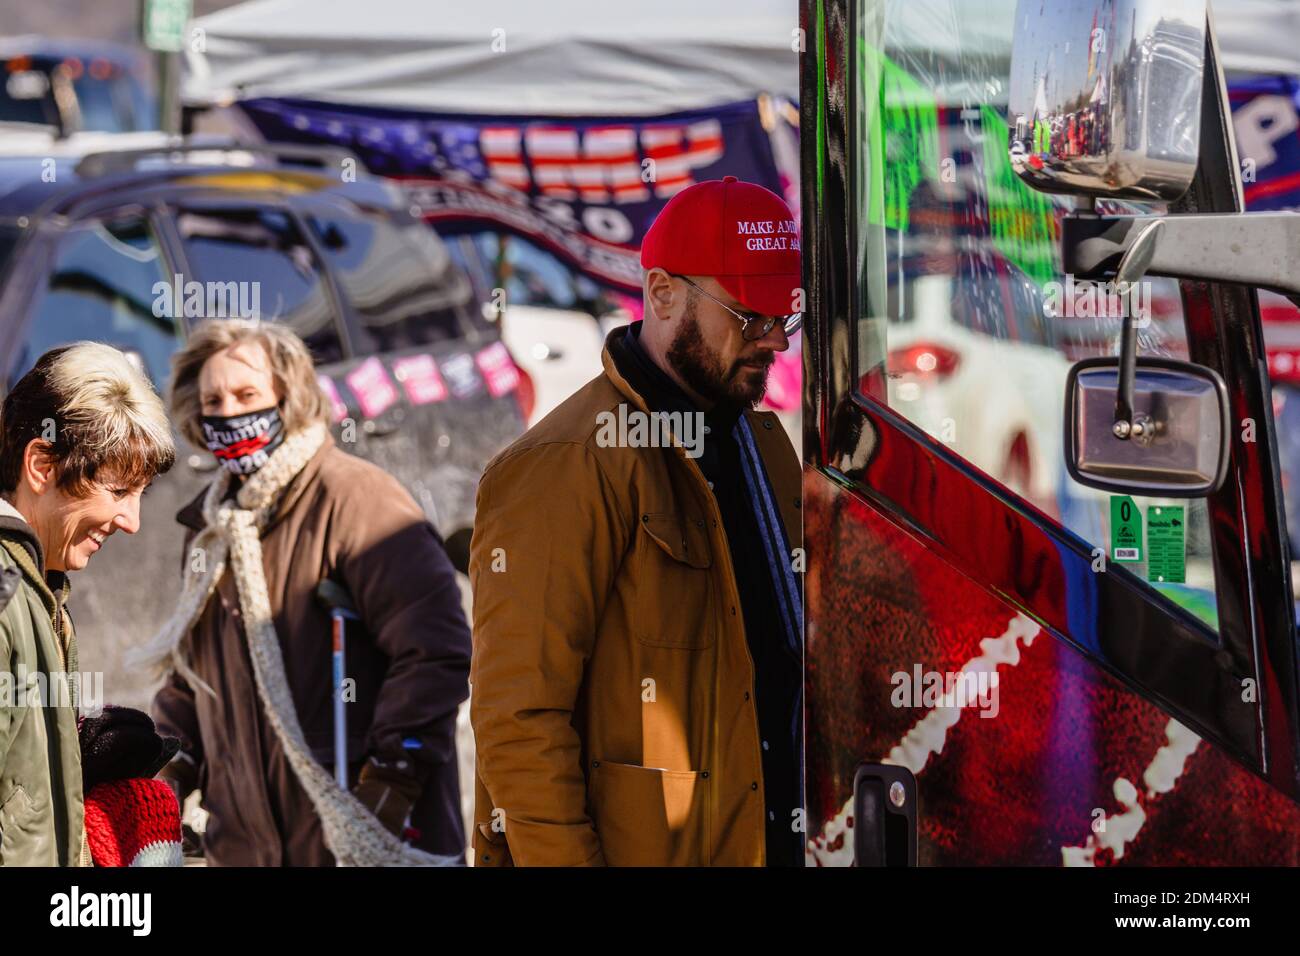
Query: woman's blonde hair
point(302, 403)
point(97, 414)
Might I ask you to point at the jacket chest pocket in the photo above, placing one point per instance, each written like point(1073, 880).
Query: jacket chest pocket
point(674, 583)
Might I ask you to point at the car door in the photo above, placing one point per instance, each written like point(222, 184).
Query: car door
point(418, 384)
point(995, 679)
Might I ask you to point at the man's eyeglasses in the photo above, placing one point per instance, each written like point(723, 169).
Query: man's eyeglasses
point(752, 327)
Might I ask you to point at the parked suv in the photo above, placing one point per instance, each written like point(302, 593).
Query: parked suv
point(135, 247)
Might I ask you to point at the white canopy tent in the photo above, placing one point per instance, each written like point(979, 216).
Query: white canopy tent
point(1258, 36)
point(563, 57)
point(585, 57)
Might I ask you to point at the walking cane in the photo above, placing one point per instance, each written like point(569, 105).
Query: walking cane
point(335, 598)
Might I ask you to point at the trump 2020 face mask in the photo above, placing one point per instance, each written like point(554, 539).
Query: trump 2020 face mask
point(243, 443)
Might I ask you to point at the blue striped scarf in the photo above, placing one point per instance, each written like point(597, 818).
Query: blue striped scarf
point(786, 585)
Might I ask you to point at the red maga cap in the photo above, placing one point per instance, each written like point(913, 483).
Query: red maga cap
point(739, 233)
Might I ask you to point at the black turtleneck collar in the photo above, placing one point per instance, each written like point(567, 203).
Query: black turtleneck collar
point(658, 389)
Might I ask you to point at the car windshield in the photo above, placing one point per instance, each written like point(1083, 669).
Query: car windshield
point(27, 95)
point(74, 93)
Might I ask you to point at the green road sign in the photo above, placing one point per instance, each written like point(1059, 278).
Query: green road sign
point(164, 24)
point(1166, 544)
point(1125, 530)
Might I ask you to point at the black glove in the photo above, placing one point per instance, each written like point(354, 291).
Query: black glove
point(119, 744)
point(389, 789)
point(182, 776)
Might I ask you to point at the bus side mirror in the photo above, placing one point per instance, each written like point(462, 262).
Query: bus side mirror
point(1105, 96)
point(1177, 441)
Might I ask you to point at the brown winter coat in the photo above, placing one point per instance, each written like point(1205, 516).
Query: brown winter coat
point(349, 520)
point(612, 687)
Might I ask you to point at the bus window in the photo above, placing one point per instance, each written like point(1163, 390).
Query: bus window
point(962, 298)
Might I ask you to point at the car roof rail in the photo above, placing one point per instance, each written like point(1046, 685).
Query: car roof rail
point(201, 148)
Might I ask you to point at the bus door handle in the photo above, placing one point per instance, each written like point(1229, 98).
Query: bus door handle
point(884, 816)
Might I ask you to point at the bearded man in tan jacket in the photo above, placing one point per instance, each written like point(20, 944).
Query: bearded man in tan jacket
point(637, 667)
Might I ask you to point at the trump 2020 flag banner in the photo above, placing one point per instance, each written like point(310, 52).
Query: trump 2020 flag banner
point(1266, 118)
point(584, 188)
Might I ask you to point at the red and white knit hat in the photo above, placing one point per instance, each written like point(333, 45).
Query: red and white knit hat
point(133, 822)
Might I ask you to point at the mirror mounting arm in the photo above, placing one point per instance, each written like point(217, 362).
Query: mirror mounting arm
point(1124, 425)
point(1249, 248)
point(1133, 265)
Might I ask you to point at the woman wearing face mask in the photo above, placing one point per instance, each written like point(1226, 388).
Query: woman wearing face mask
point(248, 649)
point(81, 436)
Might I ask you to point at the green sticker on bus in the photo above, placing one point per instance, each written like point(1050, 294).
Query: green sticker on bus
point(1166, 544)
point(1125, 530)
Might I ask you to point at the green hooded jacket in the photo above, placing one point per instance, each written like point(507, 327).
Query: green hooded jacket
point(42, 821)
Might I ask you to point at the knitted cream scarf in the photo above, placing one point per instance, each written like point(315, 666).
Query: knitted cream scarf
point(232, 533)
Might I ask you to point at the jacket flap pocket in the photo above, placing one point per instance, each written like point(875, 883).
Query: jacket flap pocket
point(646, 816)
point(683, 538)
point(17, 805)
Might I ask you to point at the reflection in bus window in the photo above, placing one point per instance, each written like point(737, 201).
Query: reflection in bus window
point(968, 325)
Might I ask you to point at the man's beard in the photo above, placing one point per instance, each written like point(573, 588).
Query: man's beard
point(701, 368)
